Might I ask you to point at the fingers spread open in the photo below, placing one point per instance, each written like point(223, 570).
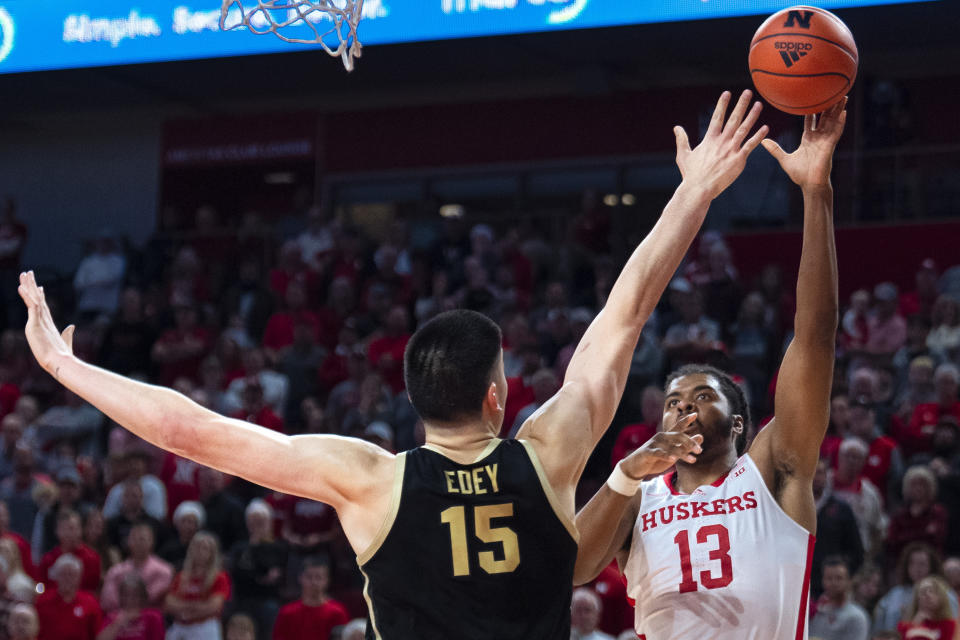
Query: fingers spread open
point(748, 123)
point(754, 140)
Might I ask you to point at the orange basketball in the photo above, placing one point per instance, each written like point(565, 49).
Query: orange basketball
point(803, 59)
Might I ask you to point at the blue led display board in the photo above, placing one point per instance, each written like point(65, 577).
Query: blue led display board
point(61, 34)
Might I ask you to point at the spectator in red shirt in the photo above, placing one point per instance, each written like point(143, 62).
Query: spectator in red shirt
point(255, 409)
point(929, 614)
point(520, 387)
point(180, 350)
point(314, 615)
point(634, 435)
point(198, 592)
point(925, 416)
point(920, 301)
point(920, 518)
point(70, 537)
point(884, 466)
point(386, 352)
point(278, 336)
point(66, 612)
point(179, 476)
point(133, 620)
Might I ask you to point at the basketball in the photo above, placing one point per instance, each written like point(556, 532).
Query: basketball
point(803, 60)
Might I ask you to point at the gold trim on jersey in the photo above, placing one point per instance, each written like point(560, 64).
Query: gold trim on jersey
point(483, 454)
point(548, 491)
point(387, 525)
point(366, 596)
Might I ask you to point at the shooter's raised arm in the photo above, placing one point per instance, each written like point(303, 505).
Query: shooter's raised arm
point(567, 428)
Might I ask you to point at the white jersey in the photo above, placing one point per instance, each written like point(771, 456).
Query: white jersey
point(723, 563)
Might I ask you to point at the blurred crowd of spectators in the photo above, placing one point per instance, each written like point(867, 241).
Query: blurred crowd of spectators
point(300, 327)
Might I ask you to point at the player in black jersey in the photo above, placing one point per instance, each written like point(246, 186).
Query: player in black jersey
point(468, 537)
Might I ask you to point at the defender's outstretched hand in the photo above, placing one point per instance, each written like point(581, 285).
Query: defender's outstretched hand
point(45, 341)
point(722, 154)
point(810, 165)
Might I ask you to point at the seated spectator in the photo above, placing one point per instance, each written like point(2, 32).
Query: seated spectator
point(920, 518)
point(944, 337)
point(257, 568)
point(12, 428)
point(22, 623)
point(617, 610)
point(837, 429)
point(73, 419)
point(386, 351)
point(299, 364)
point(198, 592)
point(837, 616)
point(585, 610)
point(95, 537)
point(25, 561)
point(240, 626)
point(868, 587)
point(929, 614)
point(854, 327)
point(632, 436)
point(224, 510)
point(19, 585)
point(919, 302)
point(279, 334)
point(125, 347)
point(946, 381)
point(255, 410)
point(848, 484)
point(544, 383)
point(917, 561)
point(154, 494)
point(694, 335)
point(917, 389)
point(884, 463)
point(66, 612)
point(275, 385)
point(356, 629)
point(70, 539)
point(132, 620)
point(188, 518)
point(179, 351)
point(131, 511)
point(887, 328)
point(68, 499)
point(99, 278)
point(7, 600)
point(951, 572)
point(837, 533)
point(179, 477)
point(154, 573)
point(314, 615)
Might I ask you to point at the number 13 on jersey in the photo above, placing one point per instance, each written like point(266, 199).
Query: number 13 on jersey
point(456, 518)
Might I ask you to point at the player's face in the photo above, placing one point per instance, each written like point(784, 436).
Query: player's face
point(701, 393)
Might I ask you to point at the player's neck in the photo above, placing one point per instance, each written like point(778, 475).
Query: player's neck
point(691, 476)
point(462, 443)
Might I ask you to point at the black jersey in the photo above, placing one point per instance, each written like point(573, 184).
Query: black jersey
point(471, 551)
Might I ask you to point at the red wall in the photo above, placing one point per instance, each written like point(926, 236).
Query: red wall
point(865, 255)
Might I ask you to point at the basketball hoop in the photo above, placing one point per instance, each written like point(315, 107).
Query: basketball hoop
point(314, 20)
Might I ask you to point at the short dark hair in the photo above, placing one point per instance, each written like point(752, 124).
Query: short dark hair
point(732, 391)
point(836, 561)
point(448, 364)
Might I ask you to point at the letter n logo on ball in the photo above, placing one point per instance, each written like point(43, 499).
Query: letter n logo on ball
point(799, 19)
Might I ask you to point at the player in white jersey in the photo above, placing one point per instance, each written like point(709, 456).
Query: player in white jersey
point(720, 548)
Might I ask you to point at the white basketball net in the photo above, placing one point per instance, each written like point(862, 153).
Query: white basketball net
point(302, 21)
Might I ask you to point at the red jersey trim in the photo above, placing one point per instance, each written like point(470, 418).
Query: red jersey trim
point(802, 614)
point(668, 479)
